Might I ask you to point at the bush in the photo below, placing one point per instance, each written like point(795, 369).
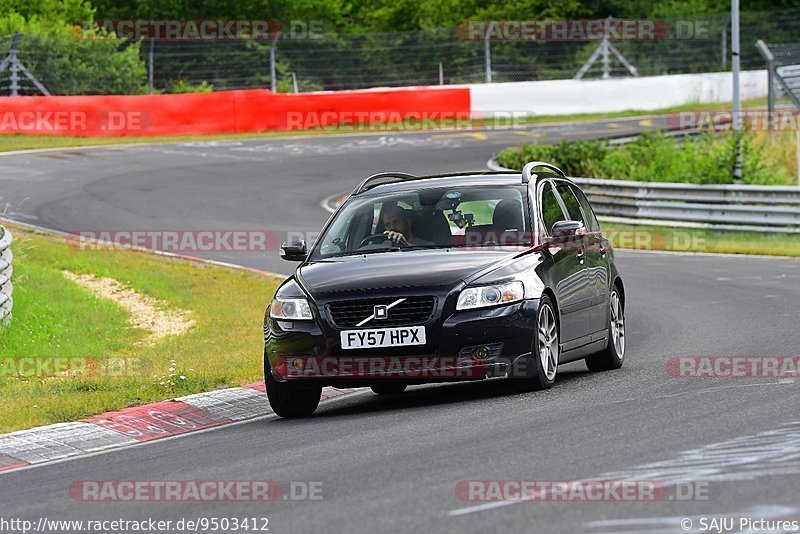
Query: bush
point(655, 157)
point(67, 60)
point(181, 86)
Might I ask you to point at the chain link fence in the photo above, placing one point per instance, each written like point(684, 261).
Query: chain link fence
point(787, 68)
point(70, 66)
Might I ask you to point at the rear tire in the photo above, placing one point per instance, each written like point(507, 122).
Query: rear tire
point(291, 399)
point(613, 355)
point(544, 352)
point(388, 388)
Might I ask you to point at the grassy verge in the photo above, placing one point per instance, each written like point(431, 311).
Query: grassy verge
point(701, 240)
point(55, 318)
point(11, 142)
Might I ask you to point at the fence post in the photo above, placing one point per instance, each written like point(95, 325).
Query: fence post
point(606, 57)
point(766, 53)
point(441, 74)
point(487, 53)
point(725, 40)
point(294, 82)
point(13, 68)
point(272, 69)
point(737, 103)
point(150, 67)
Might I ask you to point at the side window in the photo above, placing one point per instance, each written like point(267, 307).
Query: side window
point(551, 210)
point(590, 219)
point(571, 203)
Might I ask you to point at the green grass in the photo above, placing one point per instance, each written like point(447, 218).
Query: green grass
point(701, 240)
point(11, 142)
point(53, 317)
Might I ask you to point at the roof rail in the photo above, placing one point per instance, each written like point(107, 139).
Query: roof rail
point(368, 183)
point(527, 170)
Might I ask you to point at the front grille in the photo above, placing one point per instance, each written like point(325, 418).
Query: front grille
point(413, 310)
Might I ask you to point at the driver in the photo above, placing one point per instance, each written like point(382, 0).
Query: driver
point(397, 223)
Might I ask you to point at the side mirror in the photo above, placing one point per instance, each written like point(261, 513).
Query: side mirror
point(565, 233)
point(567, 229)
point(295, 251)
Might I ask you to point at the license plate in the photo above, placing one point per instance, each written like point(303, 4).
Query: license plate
point(383, 337)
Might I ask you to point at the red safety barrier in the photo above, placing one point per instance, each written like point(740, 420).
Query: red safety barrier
point(224, 112)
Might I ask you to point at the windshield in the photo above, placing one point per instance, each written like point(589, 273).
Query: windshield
point(429, 218)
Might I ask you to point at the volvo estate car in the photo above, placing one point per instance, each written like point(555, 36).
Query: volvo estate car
point(418, 279)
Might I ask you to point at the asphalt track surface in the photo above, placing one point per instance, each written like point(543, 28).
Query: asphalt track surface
point(392, 464)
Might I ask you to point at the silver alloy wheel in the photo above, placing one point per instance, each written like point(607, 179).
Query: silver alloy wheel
point(617, 324)
point(548, 342)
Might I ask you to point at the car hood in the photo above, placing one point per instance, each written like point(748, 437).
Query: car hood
point(425, 268)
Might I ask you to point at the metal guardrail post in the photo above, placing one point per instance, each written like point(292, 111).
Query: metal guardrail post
point(6, 270)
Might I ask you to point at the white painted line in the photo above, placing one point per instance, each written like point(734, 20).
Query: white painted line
point(327, 201)
point(706, 254)
point(766, 454)
point(289, 135)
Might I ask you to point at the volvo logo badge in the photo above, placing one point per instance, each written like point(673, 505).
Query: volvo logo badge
point(380, 311)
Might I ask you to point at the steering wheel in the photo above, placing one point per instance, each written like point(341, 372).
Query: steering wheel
point(375, 237)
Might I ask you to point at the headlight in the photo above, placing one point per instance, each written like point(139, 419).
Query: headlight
point(484, 296)
point(297, 309)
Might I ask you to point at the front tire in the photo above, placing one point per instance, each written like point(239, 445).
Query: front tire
point(544, 353)
point(613, 355)
point(290, 399)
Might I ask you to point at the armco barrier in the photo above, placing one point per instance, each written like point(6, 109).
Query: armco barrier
point(6, 288)
point(757, 208)
point(223, 112)
point(726, 207)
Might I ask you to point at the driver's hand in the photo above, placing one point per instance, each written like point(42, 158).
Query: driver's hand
point(397, 237)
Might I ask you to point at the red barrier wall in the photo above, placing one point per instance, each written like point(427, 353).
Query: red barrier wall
point(223, 112)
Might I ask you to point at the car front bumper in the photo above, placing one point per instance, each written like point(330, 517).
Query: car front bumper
point(464, 345)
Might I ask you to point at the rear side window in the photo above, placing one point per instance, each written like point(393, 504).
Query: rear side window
point(590, 220)
point(551, 210)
